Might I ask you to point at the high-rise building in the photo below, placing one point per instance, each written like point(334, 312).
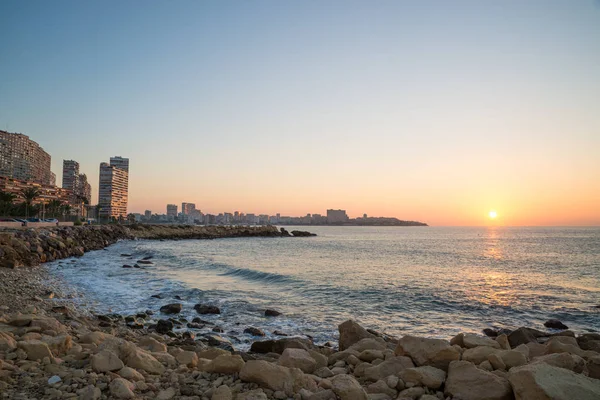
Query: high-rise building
point(187, 208)
point(70, 175)
point(113, 191)
point(120, 162)
point(148, 215)
point(336, 216)
point(172, 210)
point(84, 189)
point(22, 158)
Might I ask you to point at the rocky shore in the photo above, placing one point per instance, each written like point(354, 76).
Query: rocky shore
point(49, 351)
point(30, 247)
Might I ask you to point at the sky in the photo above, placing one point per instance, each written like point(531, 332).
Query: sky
point(434, 111)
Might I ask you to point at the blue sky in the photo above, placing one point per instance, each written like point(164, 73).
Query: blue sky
point(428, 110)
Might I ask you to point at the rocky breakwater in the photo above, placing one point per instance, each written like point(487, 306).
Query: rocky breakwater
point(57, 355)
point(30, 247)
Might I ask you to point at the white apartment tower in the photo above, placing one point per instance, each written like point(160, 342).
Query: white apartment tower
point(113, 191)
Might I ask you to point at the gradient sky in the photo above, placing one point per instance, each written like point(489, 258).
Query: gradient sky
point(426, 110)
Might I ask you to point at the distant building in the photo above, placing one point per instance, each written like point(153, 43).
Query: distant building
point(172, 210)
point(148, 215)
point(336, 216)
point(120, 162)
point(188, 208)
point(70, 175)
point(113, 191)
point(23, 159)
point(84, 189)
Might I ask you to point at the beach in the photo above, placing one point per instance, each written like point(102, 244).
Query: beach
point(52, 346)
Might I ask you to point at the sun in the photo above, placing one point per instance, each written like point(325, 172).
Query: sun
point(493, 214)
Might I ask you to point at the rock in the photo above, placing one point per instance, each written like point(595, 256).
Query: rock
point(206, 309)
point(381, 387)
point(545, 382)
point(35, 349)
point(122, 389)
point(164, 326)
point(478, 355)
point(523, 336)
point(90, 393)
point(351, 332)
point(94, 338)
point(430, 377)
point(254, 331)
point(105, 361)
point(226, 364)
point(298, 358)
point(496, 362)
point(369, 344)
point(278, 346)
point(467, 382)
point(513, 358)
point(555, 324)
point(166, 394)
point(140, 359)
point(392, 366)
point(568, 361)
point(218, 341)
point(412, 393)
point(272, 313)
point(275, 377)
point(257, 394)
point(7, 342)
point(152, 345)
point(371, 355)
point(211, 353)
point(433, 352)
point(174, 308)
point(59, 344)
point(503, 341)
point(593, 367)
point(470, 341)
point(323, 372)
point(187, 358)
point(130, 374)
point(223, 392)
point(347, 388)
point(54, 379)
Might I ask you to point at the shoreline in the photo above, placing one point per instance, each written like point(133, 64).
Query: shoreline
point(52, 349)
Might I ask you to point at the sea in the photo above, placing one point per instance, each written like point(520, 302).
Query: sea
point(428, 281)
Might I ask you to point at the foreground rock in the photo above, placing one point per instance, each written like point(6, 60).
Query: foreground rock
point(467, 382)
point(543, 381)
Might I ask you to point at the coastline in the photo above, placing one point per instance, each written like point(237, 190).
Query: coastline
point(49, 348)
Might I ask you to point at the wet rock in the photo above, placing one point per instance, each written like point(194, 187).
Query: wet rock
point(279, 345)
point(174, 308)
point(157, 296)
point(523, 336)
point(164, 326)
point(218, 341)
point(254, 331)
point(206, 309)
point(351, 332)
point(272, 313)
point(555, 324)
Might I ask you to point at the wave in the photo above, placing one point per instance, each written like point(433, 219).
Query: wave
point(258, 276)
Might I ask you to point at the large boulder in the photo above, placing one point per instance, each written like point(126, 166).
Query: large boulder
point(206, 309)
point(351, 332)
point(568, 361)
point(392, 366)
point(174, 308)
point(541, 381)
point(433, 352)
point(226, 364)
point(523, 336)
point(298, 358)
point(275, 377)
point(477, 355)
point(278, 346)
point(430, 377)
point(7, 342)
point(35, 349)
point(467, 382)
point(347, 388)
point(105, 361)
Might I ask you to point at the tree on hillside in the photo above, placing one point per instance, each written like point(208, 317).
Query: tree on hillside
point(6, 203)
point(29, 195)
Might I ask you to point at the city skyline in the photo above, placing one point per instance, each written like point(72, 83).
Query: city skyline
point(426, 111)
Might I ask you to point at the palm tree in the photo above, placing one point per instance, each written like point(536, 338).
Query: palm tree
point(29, 195)
point(6, 202)
point(54, 208)
point(66, 210)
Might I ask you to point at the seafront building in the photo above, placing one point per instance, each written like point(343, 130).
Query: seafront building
point(47, 193)
point(113, 189)
point(76, 182)
point(337, 216)
point(23, 159)
point(172, 210)
point(188, 208)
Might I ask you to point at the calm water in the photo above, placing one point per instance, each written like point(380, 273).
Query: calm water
point(421, 280)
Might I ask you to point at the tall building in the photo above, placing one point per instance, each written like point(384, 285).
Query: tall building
point(120, 162)
point(70, 175)
point(336, 216)
point(172, 210)
point(188, 208)
point(84, 189)
point(148, 215)
point(113, 191)
point(22, 158)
